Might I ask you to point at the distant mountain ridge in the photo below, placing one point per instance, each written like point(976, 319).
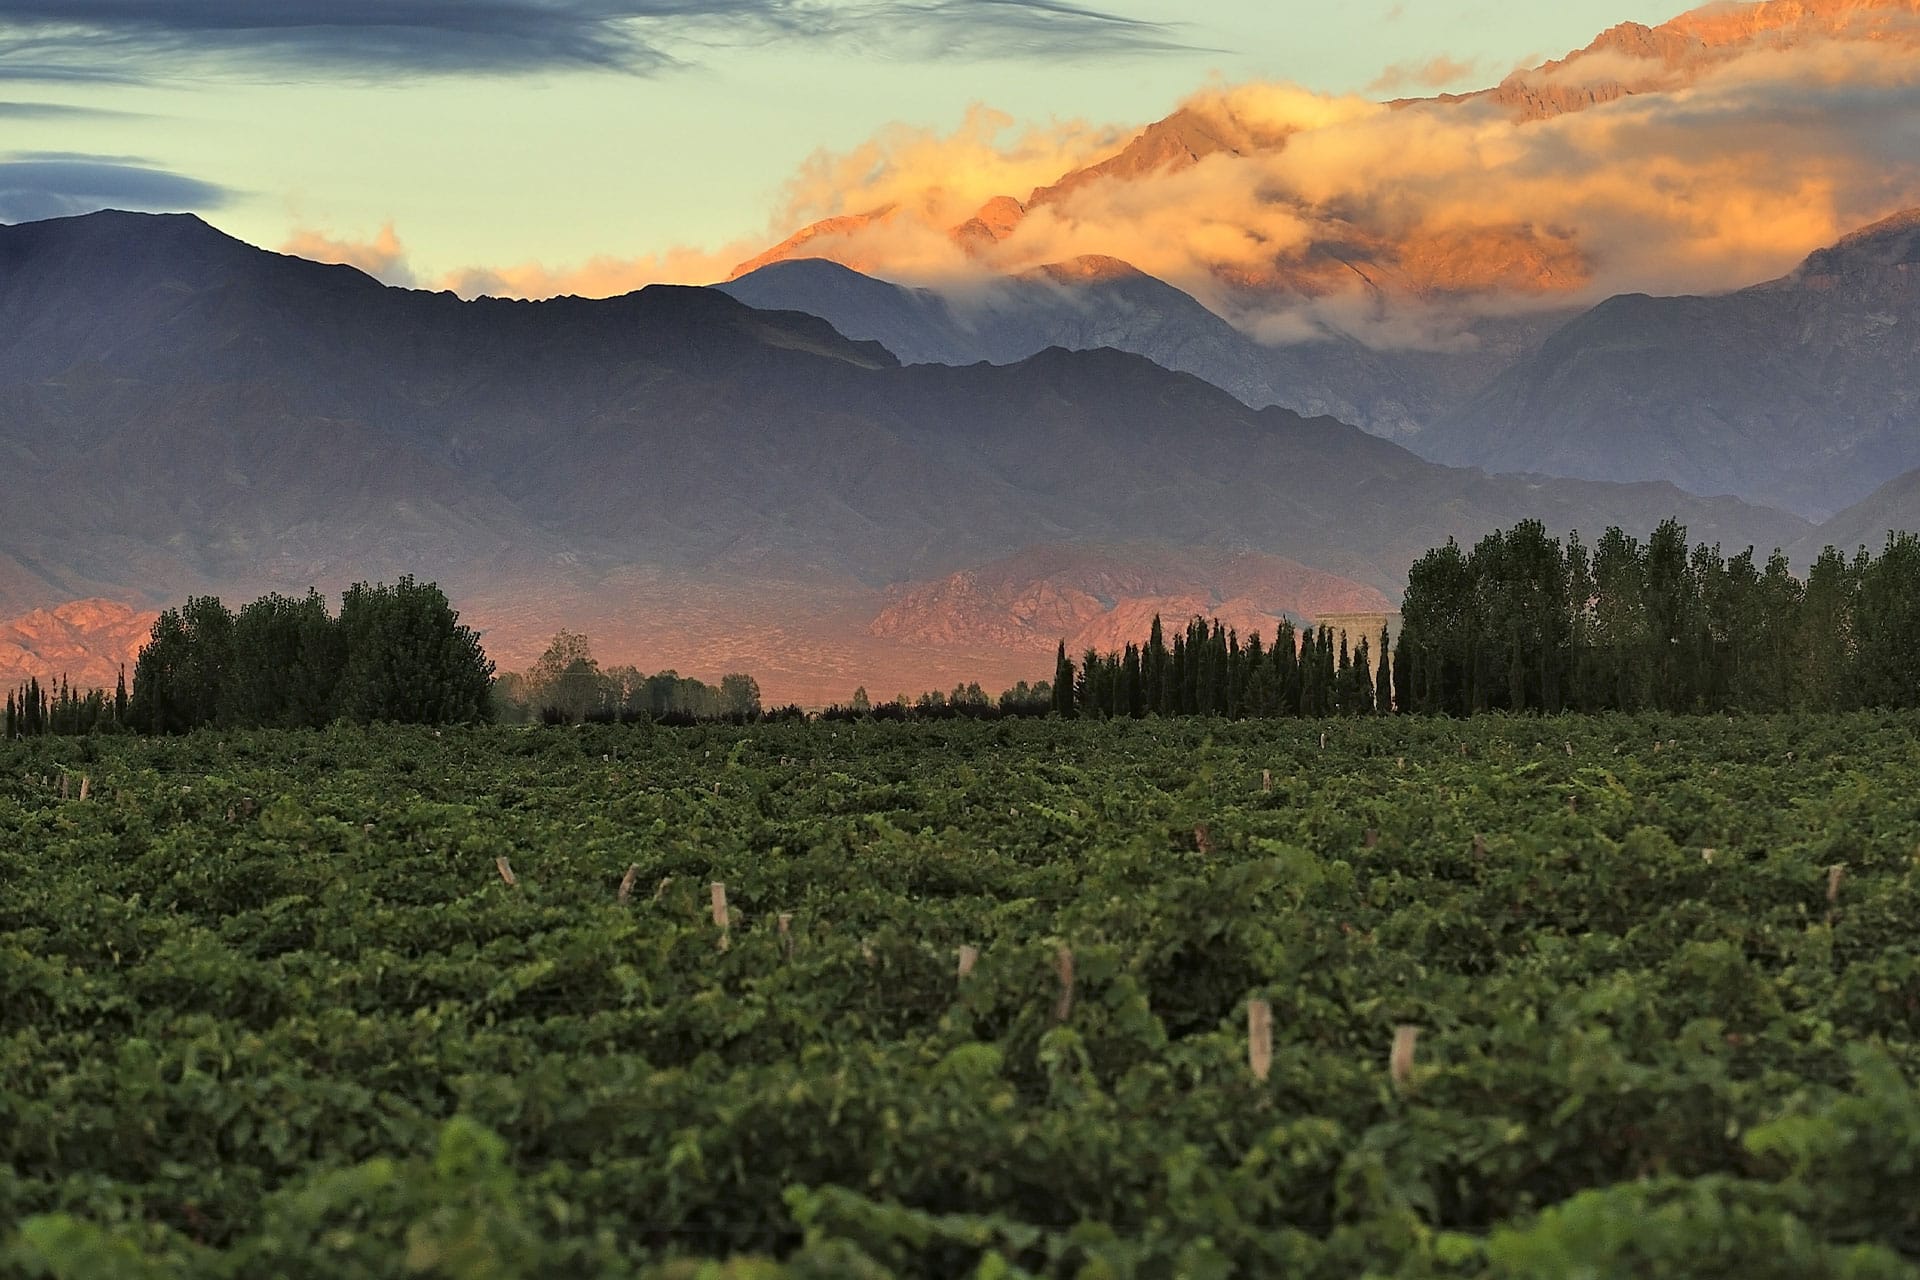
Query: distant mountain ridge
point(86, 642)
point(1106, 598)
point(1803, 392)
point(1103, 302)
point(189, 413)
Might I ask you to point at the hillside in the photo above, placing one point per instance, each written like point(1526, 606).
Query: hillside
point(86, 641)
point(1893, 507)
point(1800, 392)
point(1101, 302)
point(1107, 598)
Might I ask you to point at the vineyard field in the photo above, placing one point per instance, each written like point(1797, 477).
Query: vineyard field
point(1611, 996)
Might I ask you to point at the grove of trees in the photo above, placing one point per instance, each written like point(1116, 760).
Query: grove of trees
point(567, 685)
point(1526, 622)
point(1207, 671)
point(395, 653)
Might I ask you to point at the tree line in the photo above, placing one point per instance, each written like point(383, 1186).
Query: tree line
point(567, 685)
point(395, 653)
point(1522, 621)
point(1526, 622)
point(1208, 671)
point(61, 709)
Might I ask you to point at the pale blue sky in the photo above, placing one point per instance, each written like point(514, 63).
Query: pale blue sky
point(557, 137)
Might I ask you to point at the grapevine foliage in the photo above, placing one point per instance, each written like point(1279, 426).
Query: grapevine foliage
point(270, 1006)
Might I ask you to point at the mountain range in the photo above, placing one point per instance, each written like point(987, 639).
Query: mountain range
point(701, 480)
point(1434, 269)
point(1801, 392)
point(1096, 302)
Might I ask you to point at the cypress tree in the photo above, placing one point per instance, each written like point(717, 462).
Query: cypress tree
point(1362, 679)
point(1153, 669)
point(1093, 699)
point(1286, 670)
point(1343, 680)
point(1382, 677)
point(1256, 686)
point(1063, 684)
point(1131, 680)
point(1224, 646)
point(120, 698)
point(1197, 680)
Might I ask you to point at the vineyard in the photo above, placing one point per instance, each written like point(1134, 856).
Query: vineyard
point(1607, 997)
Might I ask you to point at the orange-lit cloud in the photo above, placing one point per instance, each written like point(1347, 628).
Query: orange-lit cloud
point(1389, 222)
point(383, 257)
point(602, 277)
point(1435, 73)
point(1639, 165)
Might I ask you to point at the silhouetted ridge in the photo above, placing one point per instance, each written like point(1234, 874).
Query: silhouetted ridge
point(213, 416)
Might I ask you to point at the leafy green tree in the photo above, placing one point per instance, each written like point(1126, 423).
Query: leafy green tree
point(740, 695)
point(288, 656)
point(1438, 626)
point(1826, 633)
point(566, 678)
point(160, 703)
point(408, 658)
point(1886, 626)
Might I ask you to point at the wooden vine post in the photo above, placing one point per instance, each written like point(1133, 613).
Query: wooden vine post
point(720, 918)
point(1063, 965)
point(505, 869)
point(1260, 1038)
point(1400, 1062)
point(969, 957)
point(626, 882)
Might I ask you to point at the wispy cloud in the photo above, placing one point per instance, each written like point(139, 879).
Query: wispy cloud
point(57, 111)
point(58, 184)
point(1434, 73)
point(357, 39)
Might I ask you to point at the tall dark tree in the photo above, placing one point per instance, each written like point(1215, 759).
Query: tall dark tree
point(1382, 679)
point(1063, 681)
point(1153, 669)
point(1133, 678)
